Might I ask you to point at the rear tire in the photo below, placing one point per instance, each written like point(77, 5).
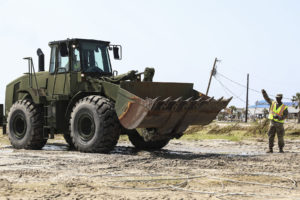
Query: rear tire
point(94, 125)
point(138, 141)
point(25, 125)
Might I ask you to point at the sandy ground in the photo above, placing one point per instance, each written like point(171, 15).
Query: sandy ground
point(208, 169)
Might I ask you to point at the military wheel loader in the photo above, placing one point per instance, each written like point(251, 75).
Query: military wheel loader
point(83, 98)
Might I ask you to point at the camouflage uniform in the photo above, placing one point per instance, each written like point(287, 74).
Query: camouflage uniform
point(276, 127)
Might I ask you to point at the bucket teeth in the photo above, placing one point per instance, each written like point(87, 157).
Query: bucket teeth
point(228, 100)
point(187, 103)
point(167, 104)
point(199, 104)
point(169, 108)
point(219, 100)
point(167, 99)
point(155, 100)
point(157, 103)
point(179, 104)
point(189, 99)
point(178, 99)
point(210, 99)
point(225, 102)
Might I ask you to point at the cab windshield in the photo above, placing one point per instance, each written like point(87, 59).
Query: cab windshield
point(94, 58)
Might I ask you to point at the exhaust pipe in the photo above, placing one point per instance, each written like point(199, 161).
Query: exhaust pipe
point(41, 60)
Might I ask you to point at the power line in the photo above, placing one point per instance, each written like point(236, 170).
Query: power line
point(241, 85)
point(232, 93)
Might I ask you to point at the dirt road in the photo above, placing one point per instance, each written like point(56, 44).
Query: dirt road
point(209, 169)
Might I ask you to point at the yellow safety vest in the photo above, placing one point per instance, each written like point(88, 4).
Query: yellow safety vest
point(276, 111)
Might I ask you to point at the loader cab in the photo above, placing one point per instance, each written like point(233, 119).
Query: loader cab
point(73, 57)
point(80, 55)
point(91, 57)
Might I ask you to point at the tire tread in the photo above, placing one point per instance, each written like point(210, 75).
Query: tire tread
point(105, 111)
point(36, 140)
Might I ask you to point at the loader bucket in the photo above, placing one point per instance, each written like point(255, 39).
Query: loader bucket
point(167, 107)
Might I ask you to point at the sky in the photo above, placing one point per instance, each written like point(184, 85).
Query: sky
point(179, 38)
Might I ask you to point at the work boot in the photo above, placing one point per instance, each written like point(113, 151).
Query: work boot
point(281, 150)
point(270, 150)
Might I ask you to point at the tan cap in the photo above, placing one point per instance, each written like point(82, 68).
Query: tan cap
point(279, 95)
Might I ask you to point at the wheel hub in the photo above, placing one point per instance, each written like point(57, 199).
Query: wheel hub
point(86, 127)
point(19, 126)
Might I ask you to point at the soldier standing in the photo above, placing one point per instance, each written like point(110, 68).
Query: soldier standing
point(277, 113)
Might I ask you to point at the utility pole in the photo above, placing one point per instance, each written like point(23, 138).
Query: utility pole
point(246, 118)
point(213, 71)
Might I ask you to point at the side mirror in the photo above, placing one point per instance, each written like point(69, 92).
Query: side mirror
point(117, 51)
point(41, 60)
point(63, 50)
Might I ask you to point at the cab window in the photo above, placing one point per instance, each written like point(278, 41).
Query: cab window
point(62, 63)
point(52, 60)
point(76, 60)
point(95, 58)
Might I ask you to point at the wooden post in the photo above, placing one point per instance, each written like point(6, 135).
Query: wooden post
point(246, 118)
point(211, 74)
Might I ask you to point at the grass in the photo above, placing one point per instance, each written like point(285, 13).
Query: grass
point(237, 131)
point(233, 136)
point(226, 131)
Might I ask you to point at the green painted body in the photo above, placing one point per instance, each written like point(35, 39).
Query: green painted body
point(169, 108)
point(59, 97)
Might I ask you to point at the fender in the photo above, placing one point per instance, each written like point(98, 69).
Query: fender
point(26, 94)
point(75, 98)
point(34, 94)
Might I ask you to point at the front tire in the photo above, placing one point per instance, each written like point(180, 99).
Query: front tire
point(25, 125)
point(94, 125)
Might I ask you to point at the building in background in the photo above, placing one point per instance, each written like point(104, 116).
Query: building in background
point(258, 111)
point(261, 109)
